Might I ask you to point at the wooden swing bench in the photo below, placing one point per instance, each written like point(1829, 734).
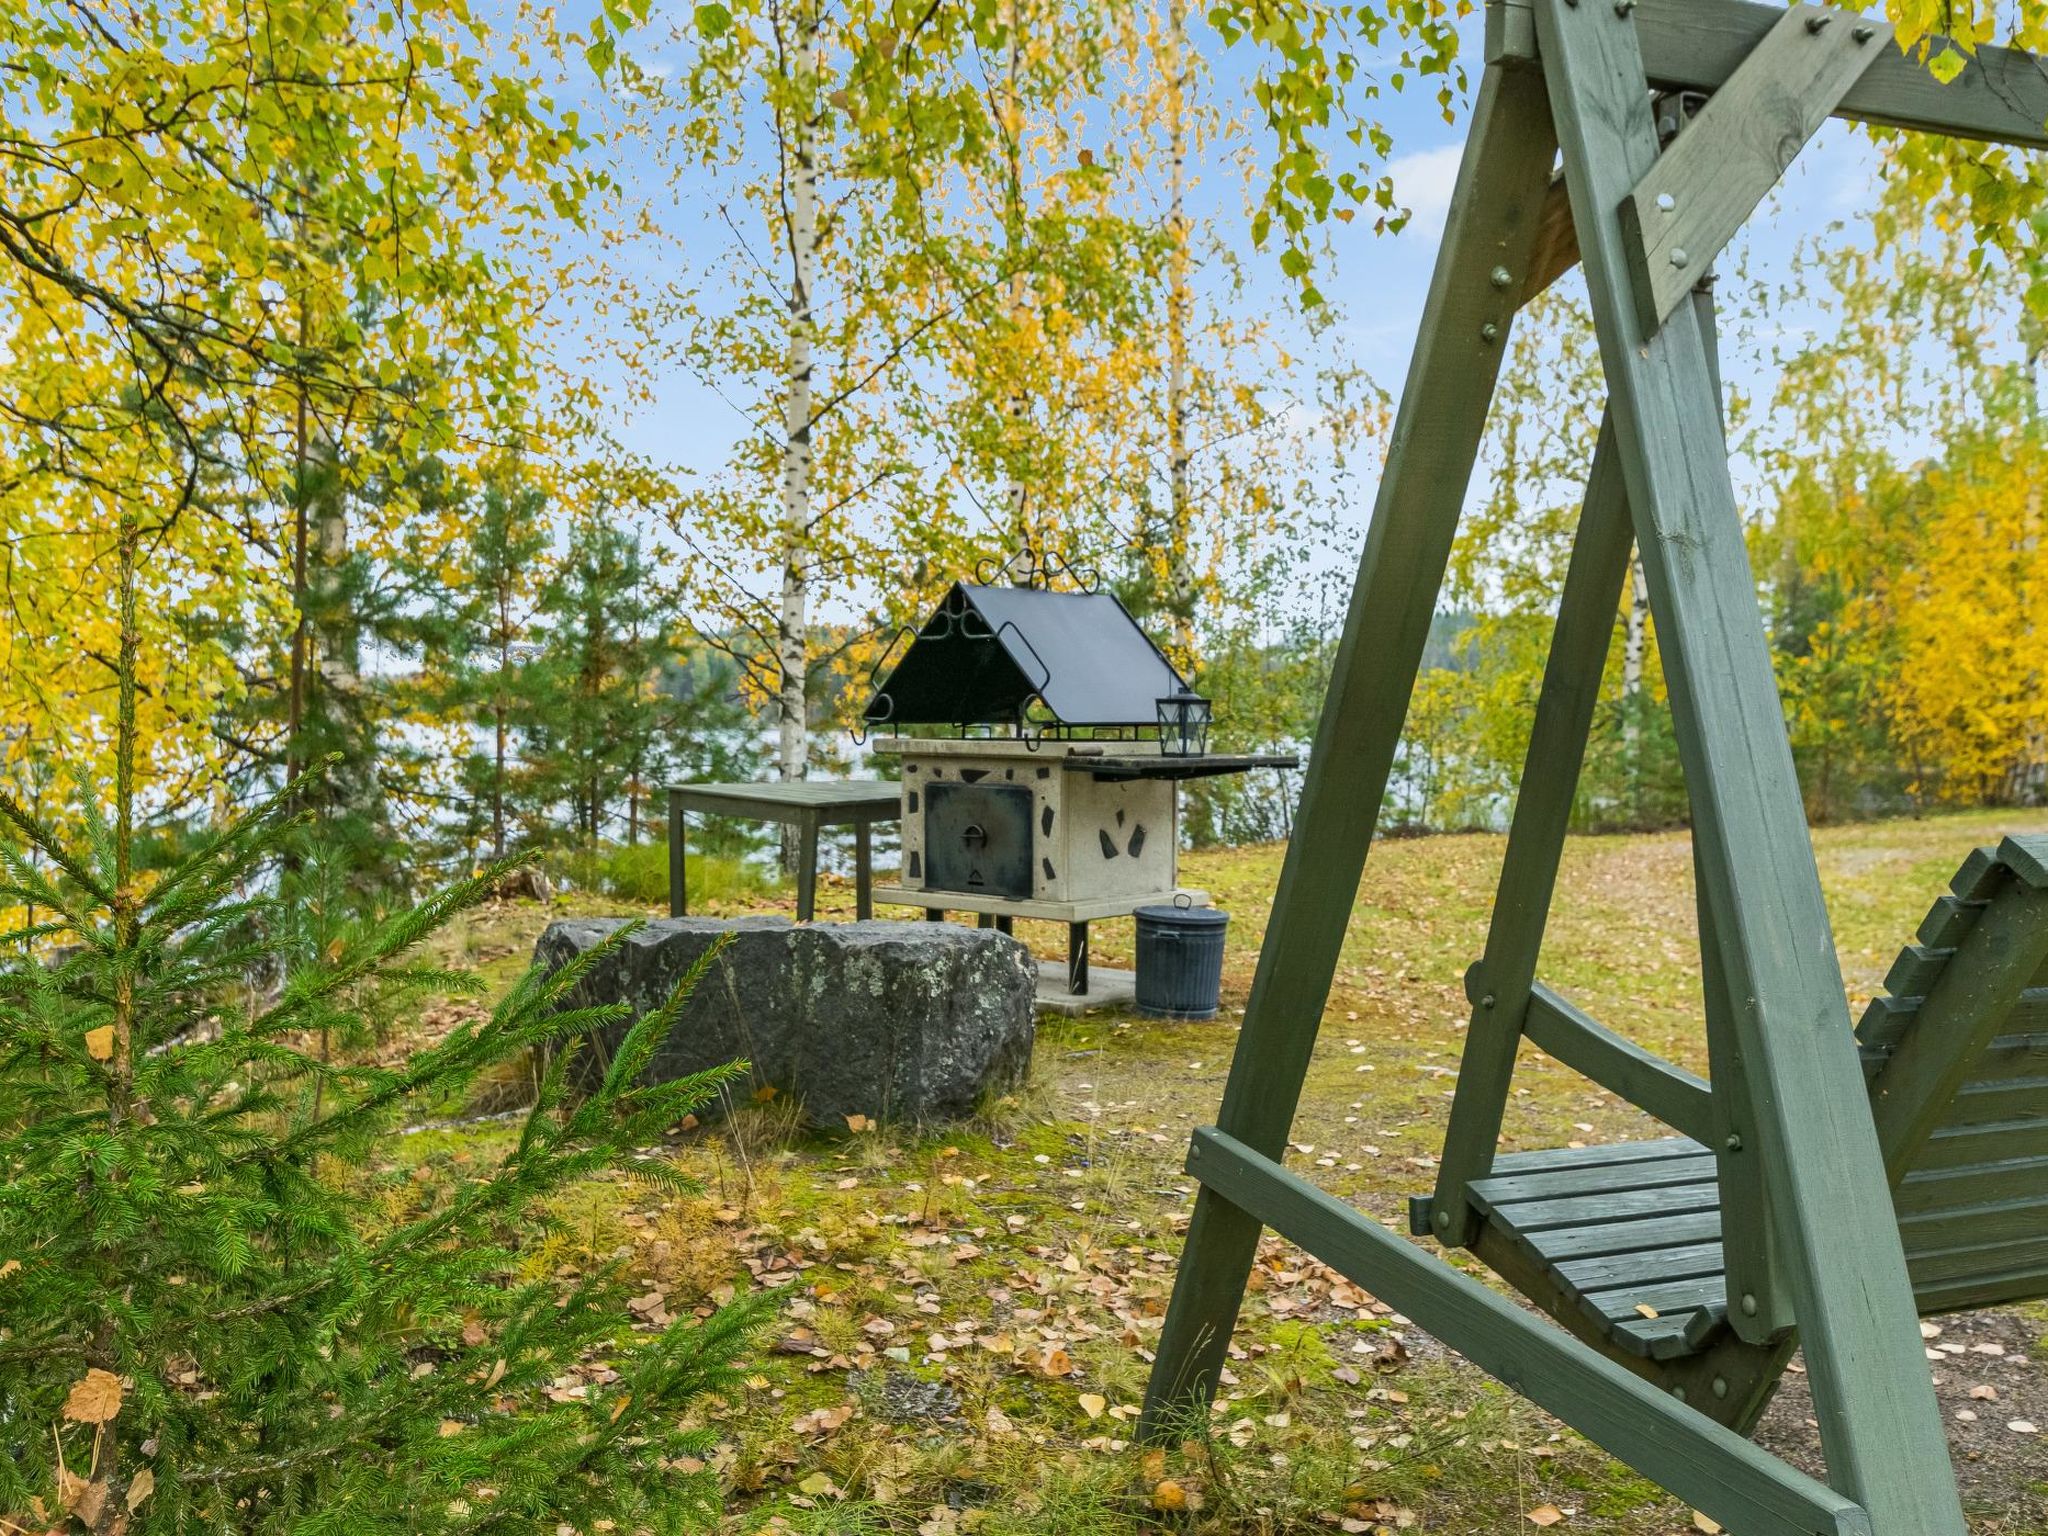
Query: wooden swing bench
point(1828, 1184)
point(1627, 1240)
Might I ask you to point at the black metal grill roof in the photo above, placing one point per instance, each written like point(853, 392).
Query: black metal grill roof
point(987, 652)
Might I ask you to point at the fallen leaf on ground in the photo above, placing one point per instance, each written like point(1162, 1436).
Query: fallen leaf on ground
point(1544, 1514)
point(95, 1398)
point(1092, 1404)
point(1168, 1496)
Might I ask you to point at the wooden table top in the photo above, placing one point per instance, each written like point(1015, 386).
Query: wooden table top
point(829, 801)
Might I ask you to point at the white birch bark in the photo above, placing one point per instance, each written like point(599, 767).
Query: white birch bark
point(1635, 645)
point(1179, 303)
point(792, 624)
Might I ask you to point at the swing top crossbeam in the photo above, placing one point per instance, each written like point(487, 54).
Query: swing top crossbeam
point(1697, 45)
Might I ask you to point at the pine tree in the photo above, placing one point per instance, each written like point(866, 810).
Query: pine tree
point(603, 730)
point(220, 1310)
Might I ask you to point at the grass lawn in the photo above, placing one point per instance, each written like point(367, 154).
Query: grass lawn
point(968, 1314)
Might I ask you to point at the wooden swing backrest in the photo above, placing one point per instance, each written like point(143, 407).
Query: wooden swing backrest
point(1957, 1053)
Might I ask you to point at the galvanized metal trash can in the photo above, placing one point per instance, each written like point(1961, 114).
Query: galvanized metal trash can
point(1180, 960)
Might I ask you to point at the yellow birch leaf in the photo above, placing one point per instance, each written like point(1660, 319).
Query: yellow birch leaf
point(95, 1398)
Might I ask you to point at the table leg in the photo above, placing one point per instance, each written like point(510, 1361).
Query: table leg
point(1077, 959)
point(807, 870)
point(863, 872)
point(678, 890)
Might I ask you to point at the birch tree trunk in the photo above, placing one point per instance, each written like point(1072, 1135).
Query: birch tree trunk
point(792, 627)
point(1017, 496)
point(1634, 646)
point(1179, 303)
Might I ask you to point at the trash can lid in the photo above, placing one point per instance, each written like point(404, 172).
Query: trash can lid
point(1184, 917)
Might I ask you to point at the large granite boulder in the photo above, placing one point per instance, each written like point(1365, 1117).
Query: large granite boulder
point(895, 1021)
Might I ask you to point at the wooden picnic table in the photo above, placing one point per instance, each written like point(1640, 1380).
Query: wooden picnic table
point(807, 805)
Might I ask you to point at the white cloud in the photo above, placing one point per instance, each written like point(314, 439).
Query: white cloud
point(1422, 184)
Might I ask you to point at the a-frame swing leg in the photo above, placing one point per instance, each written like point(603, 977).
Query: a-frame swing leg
point(1837, 1234)
point(1489, 239)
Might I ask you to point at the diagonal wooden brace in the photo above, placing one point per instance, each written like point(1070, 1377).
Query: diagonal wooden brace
point(1705, 186)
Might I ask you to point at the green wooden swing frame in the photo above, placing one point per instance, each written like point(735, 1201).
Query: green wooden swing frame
point(1804, 1152)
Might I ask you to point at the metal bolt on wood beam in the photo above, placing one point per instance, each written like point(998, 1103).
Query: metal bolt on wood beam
point(1623, 7)
point(1666, 203)
point(1748, 1305)
point(1815, 24)
point(1864, 34)
point(1720, 1386)
point(1502, 277)
point(1489, 332)
point(1678, 256)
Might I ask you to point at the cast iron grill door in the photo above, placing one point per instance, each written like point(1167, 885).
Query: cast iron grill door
point(977, 839)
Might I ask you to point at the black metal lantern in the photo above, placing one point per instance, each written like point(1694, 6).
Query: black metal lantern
point(1183, 724)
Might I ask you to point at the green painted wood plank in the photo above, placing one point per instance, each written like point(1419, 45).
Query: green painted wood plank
point(1981, 876)
point(1499, 986)
point(1669, 1338)
point(1936, 1189)
point(1698, 45)
point(1880, 1424)
point(1756, 1270)
point(1887, 1020)
point(2018, 1096)
point(1979, 1291)
point(1611, 1179)
point(1711, 1468)
point(1938, 1267)
point(1556, 1246)
point(1695, 45)
point(1963, 1146)
point(2015, 1057)
point(1993, 1222)
point(1692, 1262)
point(1913, 974)
point(1670, 1093)
point(2027, 857)
point(1534, 1216)
point(1493, 223)
point(1547, 1159)
point(1947, 922)
point(1704, 187)
point(1969, 1001)
point(1625, 1301)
